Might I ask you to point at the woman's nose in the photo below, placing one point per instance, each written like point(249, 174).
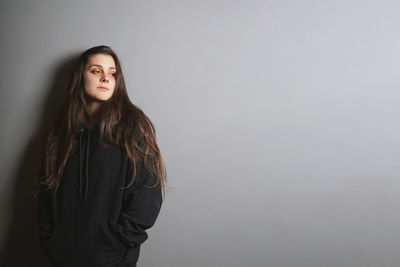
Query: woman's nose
point(104, 79)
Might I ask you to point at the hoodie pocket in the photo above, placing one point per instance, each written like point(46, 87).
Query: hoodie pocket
point(99, 246)
point(98, 236)
point(116, 236)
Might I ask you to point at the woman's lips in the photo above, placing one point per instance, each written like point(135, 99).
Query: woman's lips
point(103, 88)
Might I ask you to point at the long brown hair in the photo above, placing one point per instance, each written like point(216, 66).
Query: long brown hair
point(120, 121)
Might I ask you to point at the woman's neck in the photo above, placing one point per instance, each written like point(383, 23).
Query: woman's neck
point(92, 110)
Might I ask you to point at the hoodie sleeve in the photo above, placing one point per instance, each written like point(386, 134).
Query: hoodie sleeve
point(44, 215)
point(140, 208)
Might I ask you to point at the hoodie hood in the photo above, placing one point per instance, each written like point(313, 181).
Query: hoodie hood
point(85, 136)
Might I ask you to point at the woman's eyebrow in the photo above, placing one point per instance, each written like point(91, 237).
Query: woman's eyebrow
point(96, 65)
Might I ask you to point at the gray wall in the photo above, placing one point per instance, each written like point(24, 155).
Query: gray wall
point(278, 122)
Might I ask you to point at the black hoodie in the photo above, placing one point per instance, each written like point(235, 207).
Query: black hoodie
point(90, 221)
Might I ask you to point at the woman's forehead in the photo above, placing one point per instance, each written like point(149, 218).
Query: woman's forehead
point(100, 60)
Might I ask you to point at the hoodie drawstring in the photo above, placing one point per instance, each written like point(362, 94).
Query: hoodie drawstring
point(87, 164)
point(84, 190)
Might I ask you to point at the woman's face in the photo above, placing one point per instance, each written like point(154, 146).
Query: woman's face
point(99, 77)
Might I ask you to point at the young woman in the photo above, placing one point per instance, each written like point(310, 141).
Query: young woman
point(102, 177)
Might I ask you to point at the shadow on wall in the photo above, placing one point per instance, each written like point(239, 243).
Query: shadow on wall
point(22, 246)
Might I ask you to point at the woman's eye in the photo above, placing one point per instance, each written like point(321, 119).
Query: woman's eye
point(96, 71)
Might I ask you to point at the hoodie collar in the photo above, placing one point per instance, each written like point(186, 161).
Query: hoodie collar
point(82, 126)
